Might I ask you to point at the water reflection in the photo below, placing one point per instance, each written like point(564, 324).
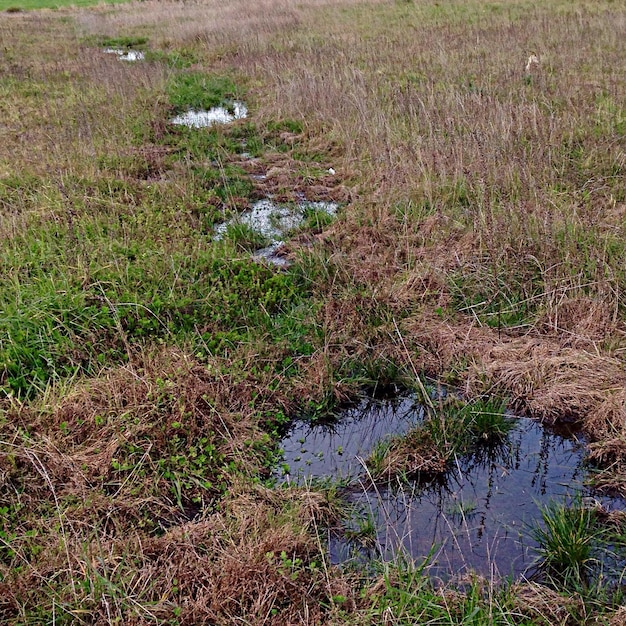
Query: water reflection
point(337, 450)
point(476, 516)
point(126, 55)
point(215, 115)
point(479, 514)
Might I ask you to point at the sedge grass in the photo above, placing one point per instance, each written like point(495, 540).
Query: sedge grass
point(580, 548)
point(566, 543)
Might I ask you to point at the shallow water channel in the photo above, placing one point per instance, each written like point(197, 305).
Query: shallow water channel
point(477, 517)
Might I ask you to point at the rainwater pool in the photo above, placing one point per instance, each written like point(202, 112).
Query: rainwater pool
point(476, 517)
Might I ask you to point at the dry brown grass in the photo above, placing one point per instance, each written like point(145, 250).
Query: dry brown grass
point(284, 178)
point(98, 515)
point(414, 456)
point(64, 103)
point(220, 26)
point(256, 560)
point(618, 617)
point(545, 606)
point(553, 383)
point(141, 406)
point(107, 452)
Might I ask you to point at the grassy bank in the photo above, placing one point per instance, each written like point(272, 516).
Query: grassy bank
point(147, 370)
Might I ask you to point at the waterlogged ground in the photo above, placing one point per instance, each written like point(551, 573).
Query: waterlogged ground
point(476, 517)
point(338, 451)
point(273, 222)
point(215, 115)
point(126, 55)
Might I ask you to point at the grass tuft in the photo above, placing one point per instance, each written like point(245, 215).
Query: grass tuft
point(566, 544)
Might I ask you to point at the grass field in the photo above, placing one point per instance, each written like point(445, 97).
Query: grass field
point(29, 5)
point(147, 370)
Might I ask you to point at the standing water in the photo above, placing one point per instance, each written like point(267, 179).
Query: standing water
point(274, 222)
point(476, 517)
point(126, 55)
point(215, 115)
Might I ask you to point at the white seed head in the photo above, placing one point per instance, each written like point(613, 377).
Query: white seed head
point(533, 59)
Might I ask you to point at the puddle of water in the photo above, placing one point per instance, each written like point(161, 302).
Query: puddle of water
point(477, 517)
point(338, 450)
point(274, 221)
point(270, 254)
point(216, 115)
point(269, 219)
point(126, 55)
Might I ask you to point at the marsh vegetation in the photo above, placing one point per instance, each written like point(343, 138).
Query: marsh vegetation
point(148, 370)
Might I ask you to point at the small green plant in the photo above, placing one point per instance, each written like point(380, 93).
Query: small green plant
point(380, 377)
point(362, 531)
point(377, 460)
point(461, 509)
point(566, 541)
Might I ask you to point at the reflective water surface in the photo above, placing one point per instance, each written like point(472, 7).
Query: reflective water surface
point(274, 221)
point(476, 517)
point(215, 115)
point(126, 55)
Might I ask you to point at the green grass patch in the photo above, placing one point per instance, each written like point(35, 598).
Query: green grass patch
point(196, 90)
point(405, 591)
point(566, 538)
point(29, 5)
point(245, 237)
point(122, 42)
point(74, 294)
point(179, 58)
